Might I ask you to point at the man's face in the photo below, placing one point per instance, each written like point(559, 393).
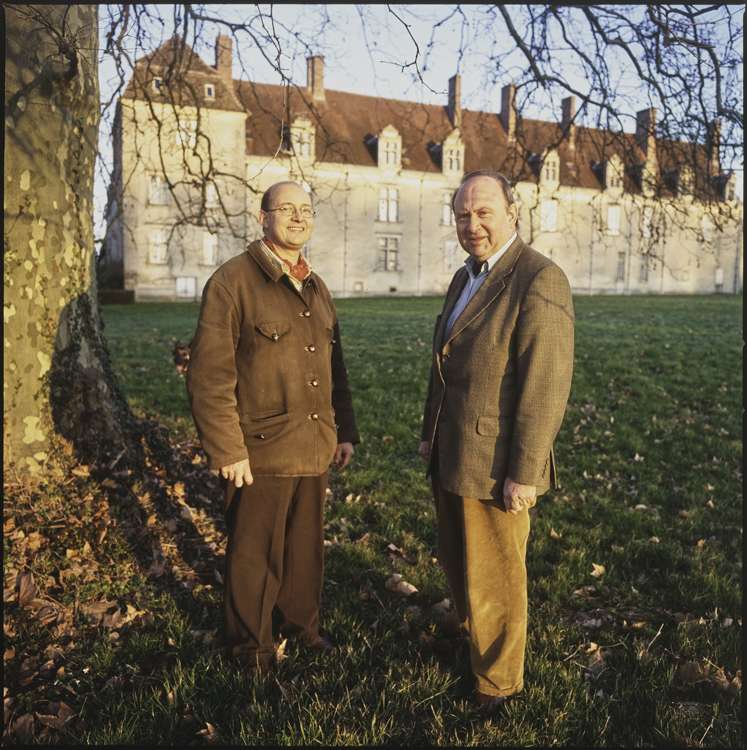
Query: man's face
point(483, 219)
point(287, 233)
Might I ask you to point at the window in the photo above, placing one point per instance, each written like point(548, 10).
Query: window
point(549, 216)
point(616, 180)
point(719, 279)
point(388, 253)
point(453, 159)
point(551, 172)
point(303, 143)
point(209, 91)
point(186, 287)
point(447, 215)
point(209, 249)
point(158, 85)
point(613, 219)
point(648, 221)
point(644, 270)
point(158, 190)
point(620, 275)
point(389, 152)
point(389, 204)
point(186, 133)
point(452, 257)
point(158, 246)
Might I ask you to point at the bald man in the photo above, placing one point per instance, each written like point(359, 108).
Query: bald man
point(269, 393)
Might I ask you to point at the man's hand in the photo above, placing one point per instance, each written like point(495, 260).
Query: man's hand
point(239, 473)
point(517, 496)
point(424, 450)
point(343, 454)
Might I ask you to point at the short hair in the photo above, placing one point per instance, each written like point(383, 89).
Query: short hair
point(497, 176)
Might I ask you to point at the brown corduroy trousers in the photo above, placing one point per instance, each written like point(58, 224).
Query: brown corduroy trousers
point(274, 558)
point(482, 550)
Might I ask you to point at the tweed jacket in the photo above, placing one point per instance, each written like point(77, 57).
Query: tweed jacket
point(500, 382)
point(266, 377)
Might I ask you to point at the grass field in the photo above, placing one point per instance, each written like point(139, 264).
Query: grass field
point(635, 565)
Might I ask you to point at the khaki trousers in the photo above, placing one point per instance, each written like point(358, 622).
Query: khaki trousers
point(274, 559)
point(482, 550)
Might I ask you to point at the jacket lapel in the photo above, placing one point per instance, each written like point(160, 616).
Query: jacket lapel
point(452, 296)
point(490, 289)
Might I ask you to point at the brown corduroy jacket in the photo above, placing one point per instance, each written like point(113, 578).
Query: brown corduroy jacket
point(266, 377)
point(500, 382)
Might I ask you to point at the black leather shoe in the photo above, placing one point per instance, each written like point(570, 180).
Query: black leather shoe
point(322, 645)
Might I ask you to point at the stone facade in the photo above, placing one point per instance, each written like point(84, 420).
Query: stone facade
point(621, 214)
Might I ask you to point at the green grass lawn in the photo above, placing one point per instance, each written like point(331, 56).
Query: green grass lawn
point(635, 565)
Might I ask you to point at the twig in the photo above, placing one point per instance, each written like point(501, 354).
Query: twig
point(655, 637)
point(713, 718)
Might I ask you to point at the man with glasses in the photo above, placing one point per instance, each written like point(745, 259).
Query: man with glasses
point(269, 393)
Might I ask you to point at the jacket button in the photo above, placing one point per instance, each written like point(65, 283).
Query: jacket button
point(261, 437)
point(275, 337)
point(315, 382)
point(306, 313)
point(314, 416)
point(311, 348)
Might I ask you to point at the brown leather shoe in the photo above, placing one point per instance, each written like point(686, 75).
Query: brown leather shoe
point(317, 643)
point(486, 704)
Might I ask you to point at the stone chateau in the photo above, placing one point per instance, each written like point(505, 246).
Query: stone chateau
point(195, 149)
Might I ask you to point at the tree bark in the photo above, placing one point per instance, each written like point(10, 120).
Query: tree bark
point(62, 400)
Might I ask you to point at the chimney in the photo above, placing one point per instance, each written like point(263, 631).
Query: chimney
point(508, 110)
point(568, 126)
point(315, 76)
point(645, 133)
point(224, 58)
point(455, 107)
point(714, 146)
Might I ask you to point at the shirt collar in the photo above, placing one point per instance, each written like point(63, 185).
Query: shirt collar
point(475, 269)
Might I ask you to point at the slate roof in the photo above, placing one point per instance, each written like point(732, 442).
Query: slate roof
point(345, 123)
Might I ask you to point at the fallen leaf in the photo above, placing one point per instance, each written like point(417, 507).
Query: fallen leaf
point(554, 534)
point(689, 673)
point(443, 606)
point(396, 585)
point(684, 514)
point(280, 654)
point(210, 734)
point(289, 688)
point(27, 589)
point(598, 570)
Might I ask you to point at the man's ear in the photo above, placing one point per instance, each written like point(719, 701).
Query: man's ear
point(262, 219)
point(513, 212)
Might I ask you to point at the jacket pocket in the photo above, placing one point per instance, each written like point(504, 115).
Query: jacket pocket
point(274, 329)
point(263, 425)
point(493, 426)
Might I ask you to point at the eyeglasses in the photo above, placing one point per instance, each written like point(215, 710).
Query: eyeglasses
point(289, 210)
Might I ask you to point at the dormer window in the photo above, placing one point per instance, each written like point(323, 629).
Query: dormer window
point(389, 147)
point(209, 91)
point(302, 138)
point(685, 182)
point(549, 171)
point(452, 153)
point(158, 85)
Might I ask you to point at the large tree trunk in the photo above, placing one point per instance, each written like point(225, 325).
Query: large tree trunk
point(60, 395)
